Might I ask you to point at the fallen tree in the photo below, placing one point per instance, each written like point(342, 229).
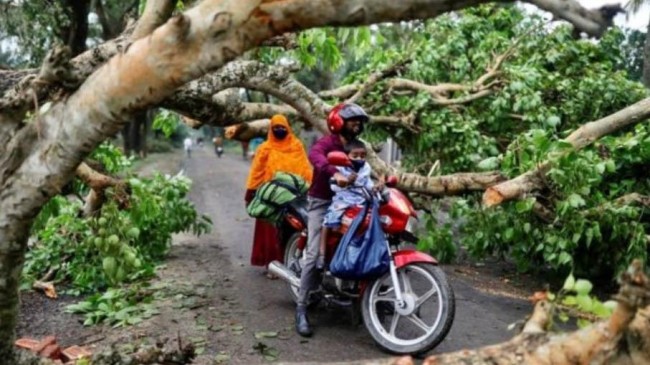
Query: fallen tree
point(580, 138)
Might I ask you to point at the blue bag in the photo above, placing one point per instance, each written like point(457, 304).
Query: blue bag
point(363, 256)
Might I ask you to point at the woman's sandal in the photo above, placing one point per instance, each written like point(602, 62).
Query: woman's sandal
point(269, 275)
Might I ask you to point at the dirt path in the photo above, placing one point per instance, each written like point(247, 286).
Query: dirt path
point(213, 297)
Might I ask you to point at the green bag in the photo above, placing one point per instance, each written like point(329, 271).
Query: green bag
point(272, 197)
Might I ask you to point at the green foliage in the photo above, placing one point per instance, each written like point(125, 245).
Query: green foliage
point(120, 245)
point(551, 85)
point(552, 82)
point(166, 122)
point(33, 26)
point(159, 208)
point(115, 307)
point(329, 48)
point(592, 232)
point(111, 158)
point(438, 240)
point(575, 297)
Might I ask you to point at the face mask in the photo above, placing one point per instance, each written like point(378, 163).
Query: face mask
point(280, 133)
point(357, 164)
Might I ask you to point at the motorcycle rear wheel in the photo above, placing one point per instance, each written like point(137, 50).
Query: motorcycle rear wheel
point(422, 328)
point(291, 260)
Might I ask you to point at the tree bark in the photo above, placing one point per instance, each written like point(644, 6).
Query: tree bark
point(155, 14)
point(583, 136)
point(247, 131)
point(98, 183)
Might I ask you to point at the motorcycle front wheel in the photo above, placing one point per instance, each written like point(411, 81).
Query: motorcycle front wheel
point(424, 320)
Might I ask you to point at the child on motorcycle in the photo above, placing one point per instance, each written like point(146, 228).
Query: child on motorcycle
point(358, 179)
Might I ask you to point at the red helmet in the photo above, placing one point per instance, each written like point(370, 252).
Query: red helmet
point(342, 113)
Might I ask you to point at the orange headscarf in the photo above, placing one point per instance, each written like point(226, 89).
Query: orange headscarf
point(287, 155)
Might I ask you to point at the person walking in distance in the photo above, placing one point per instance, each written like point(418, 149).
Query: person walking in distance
point(345, 122)
point(187, 145)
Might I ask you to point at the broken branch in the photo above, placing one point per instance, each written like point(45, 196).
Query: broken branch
point(375, 77)
point(583, 136)
point(155, 14)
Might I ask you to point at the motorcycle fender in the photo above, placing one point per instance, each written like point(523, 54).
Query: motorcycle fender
point(405, 257)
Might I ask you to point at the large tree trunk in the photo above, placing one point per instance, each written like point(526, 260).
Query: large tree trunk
point(43, 156)
point(14, 231)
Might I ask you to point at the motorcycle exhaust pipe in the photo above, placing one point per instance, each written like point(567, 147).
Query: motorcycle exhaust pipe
point(284, 273)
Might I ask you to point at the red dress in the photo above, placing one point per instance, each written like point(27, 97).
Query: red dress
point(266, 242)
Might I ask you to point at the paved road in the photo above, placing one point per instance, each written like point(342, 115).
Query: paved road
point(218, 191)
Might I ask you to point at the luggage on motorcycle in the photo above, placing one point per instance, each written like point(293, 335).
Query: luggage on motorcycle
point(272, 197)
point(365, 255)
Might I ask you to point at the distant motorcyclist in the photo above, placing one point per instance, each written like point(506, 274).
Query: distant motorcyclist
point(218, 145)
point(345, 122)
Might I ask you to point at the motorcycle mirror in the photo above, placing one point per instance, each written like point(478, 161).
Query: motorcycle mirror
point(338, 158)
point(391, 181)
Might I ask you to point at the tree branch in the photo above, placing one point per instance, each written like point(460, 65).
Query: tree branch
point(195, 99)
point(436, 185)
point(286, 41)
point(155, 14)
point(94, 179)
point(55, 70)
point(247, 130)
point(583, 136)
point(375, 77)
point(98, 183)
point(342, 92)
point(593, 22)
point(259, 125)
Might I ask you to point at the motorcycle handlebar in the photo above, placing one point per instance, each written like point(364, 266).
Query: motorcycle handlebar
point(371, 194)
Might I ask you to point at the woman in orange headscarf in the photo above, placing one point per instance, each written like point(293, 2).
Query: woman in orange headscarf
point(282, 151)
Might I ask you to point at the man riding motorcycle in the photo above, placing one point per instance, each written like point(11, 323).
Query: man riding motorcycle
point(345, 122)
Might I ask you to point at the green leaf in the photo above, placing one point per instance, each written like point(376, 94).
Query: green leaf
point(563, 317)
point(553, 121)
point(569, 283)
point(576, 200)
point(490, 163)
point(525, 205)
point(270, 334)
point(565, 258)
point(582, 323)
point(584, 302)
point(583, 287)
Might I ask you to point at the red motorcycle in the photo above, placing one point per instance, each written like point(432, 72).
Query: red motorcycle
point(407, 310)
